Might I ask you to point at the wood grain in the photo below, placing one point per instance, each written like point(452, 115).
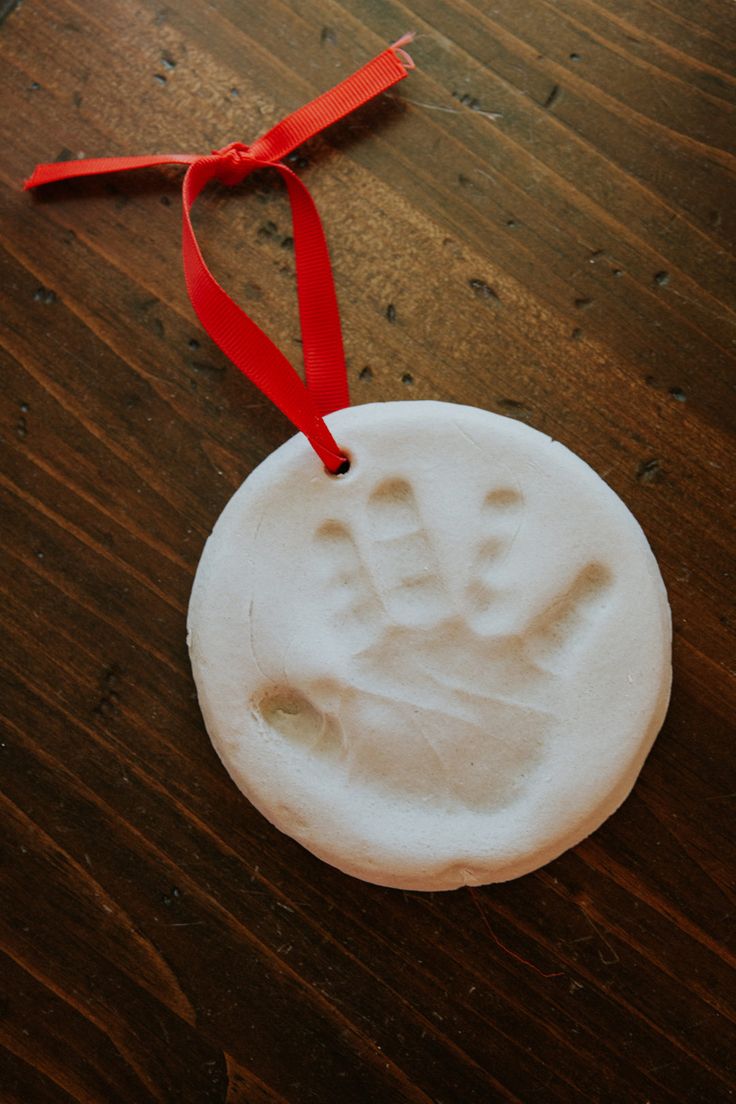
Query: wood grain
point(539, 222)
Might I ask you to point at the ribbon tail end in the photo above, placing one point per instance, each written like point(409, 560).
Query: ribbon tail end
point(406, 59)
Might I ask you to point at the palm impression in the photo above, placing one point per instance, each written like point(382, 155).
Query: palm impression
point(445, 667)
point(437, 702)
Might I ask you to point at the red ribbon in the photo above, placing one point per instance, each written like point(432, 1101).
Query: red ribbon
point(249, 348)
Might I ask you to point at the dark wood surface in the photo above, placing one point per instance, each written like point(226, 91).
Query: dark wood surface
point(539, 222)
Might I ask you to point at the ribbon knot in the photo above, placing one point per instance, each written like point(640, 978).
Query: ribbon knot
point(234, 163)
point(230, 327)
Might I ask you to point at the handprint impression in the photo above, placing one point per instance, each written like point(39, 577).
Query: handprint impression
point(433, 705)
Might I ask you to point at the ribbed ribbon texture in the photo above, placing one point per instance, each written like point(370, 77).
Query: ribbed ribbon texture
point(326, 386)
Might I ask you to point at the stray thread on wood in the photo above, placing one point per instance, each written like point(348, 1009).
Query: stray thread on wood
point(503, 946)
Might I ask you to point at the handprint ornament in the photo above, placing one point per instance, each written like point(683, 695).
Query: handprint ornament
point(445, 666)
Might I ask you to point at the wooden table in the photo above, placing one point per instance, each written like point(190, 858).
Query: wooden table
point(538, 222)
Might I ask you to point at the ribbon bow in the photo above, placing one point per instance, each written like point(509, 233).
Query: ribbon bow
point(326, 386)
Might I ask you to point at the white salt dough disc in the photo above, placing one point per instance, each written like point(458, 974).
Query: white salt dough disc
point(446, 666)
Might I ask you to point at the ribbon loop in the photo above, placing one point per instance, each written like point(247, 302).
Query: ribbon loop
point(249, 348)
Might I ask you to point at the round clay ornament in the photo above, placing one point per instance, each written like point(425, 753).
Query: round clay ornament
point(442, 668)
point(445, 666)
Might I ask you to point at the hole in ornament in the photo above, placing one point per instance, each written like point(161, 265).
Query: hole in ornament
point(344, 467)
